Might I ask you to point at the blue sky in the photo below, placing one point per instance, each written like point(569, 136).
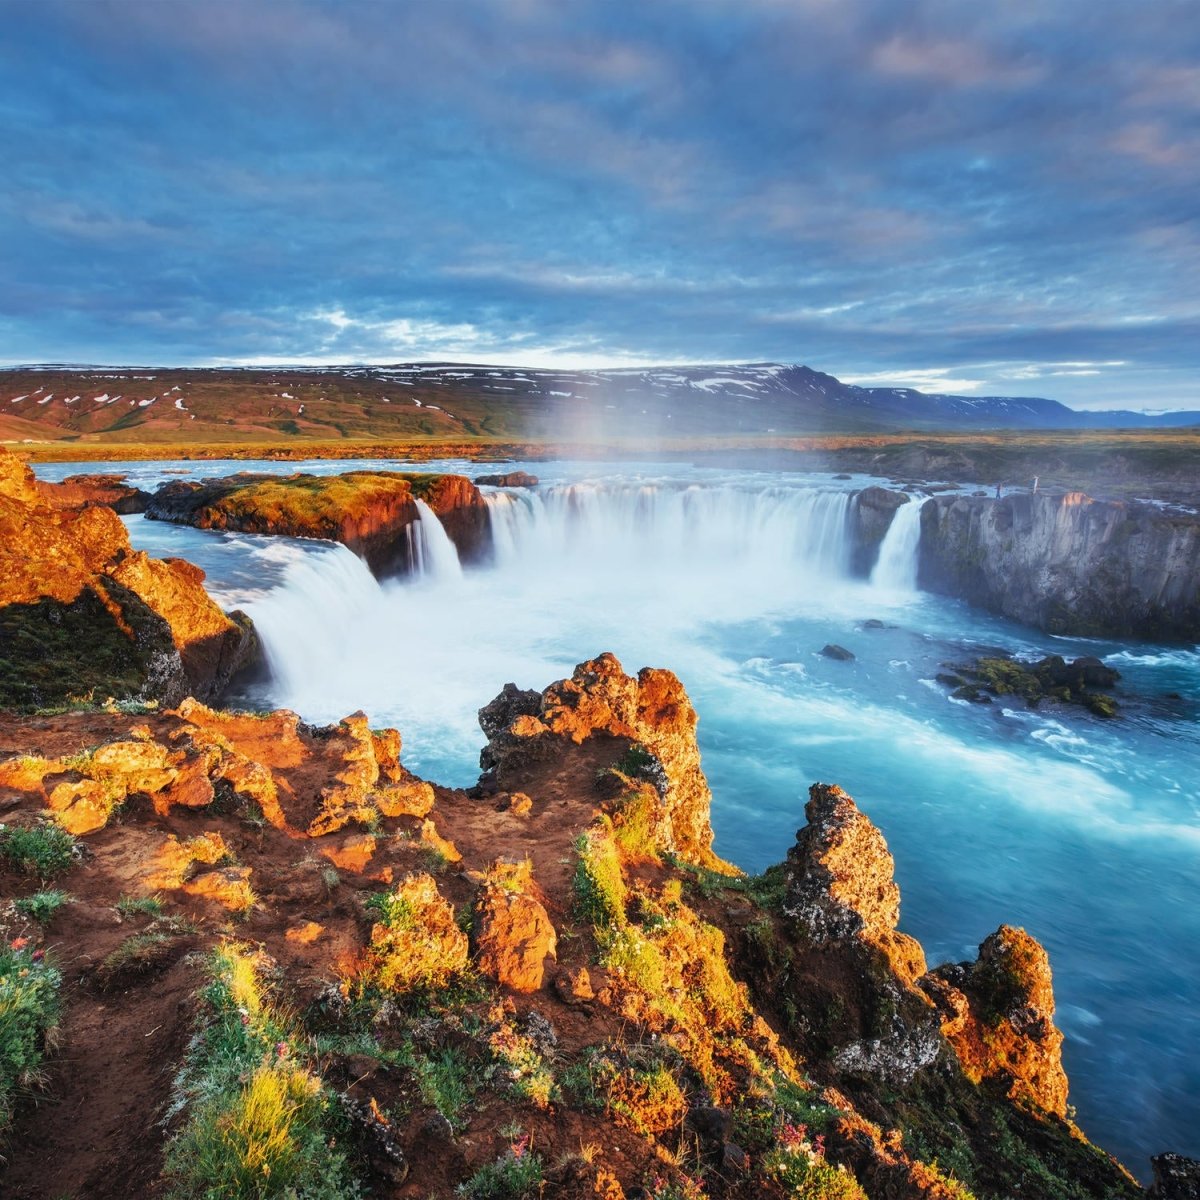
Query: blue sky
point(960, 196)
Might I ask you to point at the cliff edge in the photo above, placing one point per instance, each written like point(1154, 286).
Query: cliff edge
point(82, 614)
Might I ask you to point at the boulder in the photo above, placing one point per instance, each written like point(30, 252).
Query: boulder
point(513, 479)
point(514, 934)
point(837, 653)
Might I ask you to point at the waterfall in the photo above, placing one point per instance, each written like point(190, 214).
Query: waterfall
point(653, 526)
point(430, 549)
point(896, 570)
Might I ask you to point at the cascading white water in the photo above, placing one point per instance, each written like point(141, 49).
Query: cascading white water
point(431, 551)
point(896, 570)
point(641, 525)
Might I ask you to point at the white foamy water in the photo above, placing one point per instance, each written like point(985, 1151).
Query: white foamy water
point(896, 569)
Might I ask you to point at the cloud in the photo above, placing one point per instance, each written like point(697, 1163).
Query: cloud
point(879, 190)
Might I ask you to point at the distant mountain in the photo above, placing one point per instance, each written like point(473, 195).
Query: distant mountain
point(451, 400)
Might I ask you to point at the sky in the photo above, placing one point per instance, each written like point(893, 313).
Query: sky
point(946, 194)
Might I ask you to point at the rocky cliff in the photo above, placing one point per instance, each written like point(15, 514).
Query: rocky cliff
point(540, 987)
point(1067, 564)
point(83, 614)
point(371, 512)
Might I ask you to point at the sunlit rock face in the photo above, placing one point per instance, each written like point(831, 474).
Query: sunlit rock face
point(996, 1014)
point(377, 514)
point(85, 615)
point(1066, 563)
point(651, 709)
point(88, 491)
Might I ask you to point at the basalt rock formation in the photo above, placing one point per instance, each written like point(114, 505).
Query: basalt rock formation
point(82, 613)
point(371, 512)
point(1051, 679)
point(1066, 563)
point(541, 990)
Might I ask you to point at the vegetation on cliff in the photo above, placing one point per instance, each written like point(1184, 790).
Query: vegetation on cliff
point(372, 512)
point(319, 976)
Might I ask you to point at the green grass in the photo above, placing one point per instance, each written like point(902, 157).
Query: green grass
point(597, 883)
point(390, 909)
point(259, 1122)
point(41, 906)
point(61, 657)
point(139, 906)
point(29, 1006)
point(41, 850)
point(515, 1175)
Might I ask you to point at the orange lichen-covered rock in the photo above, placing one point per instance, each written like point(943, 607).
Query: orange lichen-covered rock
point(175, 860)
point(576, 1179)
point(652, 709)
point(106, 776)
point(227, 886)
point(418, 944)
point(353, 853)
point(350, 798)
point(840, 872)
point(998, 1014)
point(433, 840)
point(514, 934)
point(81, 612)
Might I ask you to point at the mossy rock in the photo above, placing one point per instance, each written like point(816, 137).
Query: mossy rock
point(54, 654)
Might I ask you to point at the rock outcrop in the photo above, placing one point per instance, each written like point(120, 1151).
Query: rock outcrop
point(83, 614)
point(514, 935)
point(511, 479)
point(371, 512)
point(1066, 563)
point(87, 491)
point(998, 1014)
point(781, 1028)
point(599, 699)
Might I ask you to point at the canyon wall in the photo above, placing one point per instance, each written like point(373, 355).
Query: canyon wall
point(1067, 564)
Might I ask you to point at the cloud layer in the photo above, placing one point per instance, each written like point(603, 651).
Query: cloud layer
point(987, 198)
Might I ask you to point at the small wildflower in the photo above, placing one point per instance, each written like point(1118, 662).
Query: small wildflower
point(38, 955)
point(19, 943)
point(520, 1146)
point(281, 1049)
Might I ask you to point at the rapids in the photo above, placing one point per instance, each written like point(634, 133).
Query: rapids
point(1085, 832)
